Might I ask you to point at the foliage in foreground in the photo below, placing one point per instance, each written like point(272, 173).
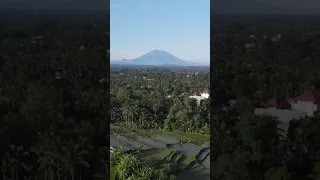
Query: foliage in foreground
point(130, 166)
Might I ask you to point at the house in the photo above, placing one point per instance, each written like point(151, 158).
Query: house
point(196, 94)
point(199, 96)
point(283, 115)
point(308, 102)
point(206, 94)
point(278, 104)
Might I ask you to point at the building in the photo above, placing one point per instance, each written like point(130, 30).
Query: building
point(200, 96)
point(278, 104)
point(283, 115)
point(308, 102)
point(206, 94)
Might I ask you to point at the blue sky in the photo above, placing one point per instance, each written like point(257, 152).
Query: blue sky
point(180, 27)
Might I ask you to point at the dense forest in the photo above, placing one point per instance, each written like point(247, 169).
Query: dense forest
point(53, 119)
point(149, 98)
point(159, 98)
point(255, 61)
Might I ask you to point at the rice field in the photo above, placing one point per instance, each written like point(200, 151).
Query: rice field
point(158, 147)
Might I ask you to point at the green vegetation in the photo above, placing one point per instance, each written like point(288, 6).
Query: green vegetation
point(156, 156)
point(53, 119)
point(113, 173)
point(246, 146)
point(158, 98)
point(131, 166)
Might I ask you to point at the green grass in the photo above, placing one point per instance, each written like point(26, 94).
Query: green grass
point(189, 162)
point(195, 138)
point(200, 152)
point(208, 154)
point(190, 159)
point(185, 137)
point(168, 157)
point(156, 156)
point(113, 173)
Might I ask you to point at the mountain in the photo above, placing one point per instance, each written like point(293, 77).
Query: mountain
point(125, 60)
point(158, 58)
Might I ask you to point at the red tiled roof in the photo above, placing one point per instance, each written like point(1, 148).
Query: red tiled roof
point(196, 94)
point(278, 103)
point(310, 96)
point(206, 92)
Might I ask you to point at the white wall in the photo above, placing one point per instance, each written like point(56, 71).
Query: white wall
point(284, 115)
point(305, 106)
point(198, 98)
point(205, 95)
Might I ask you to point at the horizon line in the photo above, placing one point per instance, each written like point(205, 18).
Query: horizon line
point(130, 59)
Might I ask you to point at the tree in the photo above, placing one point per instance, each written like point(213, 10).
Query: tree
point(72, 158)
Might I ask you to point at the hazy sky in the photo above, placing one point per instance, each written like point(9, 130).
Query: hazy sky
point(179, 27)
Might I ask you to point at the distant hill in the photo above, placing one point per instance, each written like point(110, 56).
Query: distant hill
point(55, 5)
point(126, 61)
point(158, 58)
point(255, 7)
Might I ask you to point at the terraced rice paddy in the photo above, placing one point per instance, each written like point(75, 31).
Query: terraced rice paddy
point(192, 160)
point(151, 142)
point(132, 143)
point(116, 143)
point(186, 149)
point(167, 139)
point(206, 162)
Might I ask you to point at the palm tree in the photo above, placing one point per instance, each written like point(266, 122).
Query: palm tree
point(103, 160)
point(134, 113)
point(72, 158)
point(46, 149)
point(15, 160)
point(125, 111)
point(4, 166)
point(142, 119)
point(39, 149)
point(156, 104)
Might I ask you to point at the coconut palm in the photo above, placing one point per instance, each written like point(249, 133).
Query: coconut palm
point(72, 158)
point(16, 164)
point(41, 149)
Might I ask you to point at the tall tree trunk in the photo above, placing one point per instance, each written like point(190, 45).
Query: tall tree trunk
point(45, 173)
point(58, 172)
point(17, 174)
point(72, 174)
point(51, 174)
point(4, 168)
